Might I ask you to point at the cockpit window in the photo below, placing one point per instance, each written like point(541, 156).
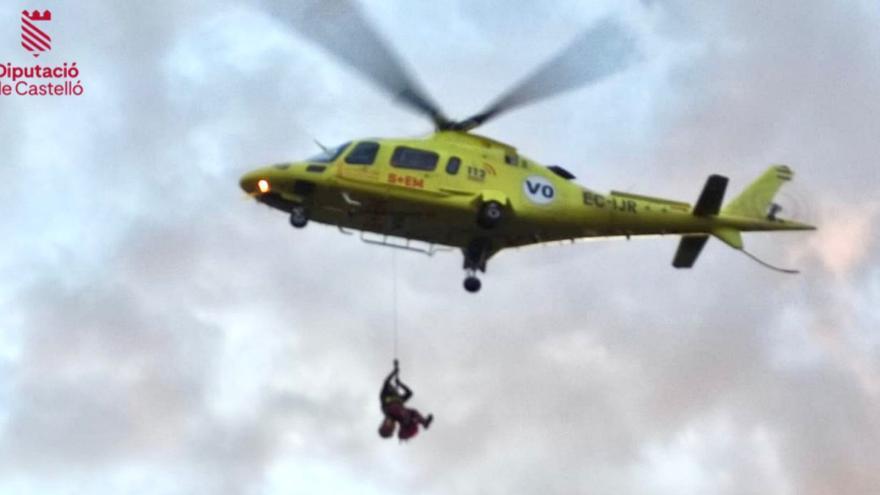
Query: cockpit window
point(363, 153)
point(329, 154)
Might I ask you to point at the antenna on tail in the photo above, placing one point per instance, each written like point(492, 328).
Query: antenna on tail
point(768, 265)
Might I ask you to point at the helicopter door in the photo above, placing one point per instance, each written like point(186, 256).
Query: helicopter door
point(359, 164)
point(413, 169)
point(450, 173)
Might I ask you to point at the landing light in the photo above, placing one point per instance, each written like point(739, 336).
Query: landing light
point(263, 185)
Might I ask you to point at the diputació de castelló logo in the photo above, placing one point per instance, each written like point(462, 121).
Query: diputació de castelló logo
point(33, 38)
point(39, 80)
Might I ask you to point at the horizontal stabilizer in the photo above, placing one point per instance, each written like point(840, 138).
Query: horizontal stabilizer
point(712, 196)
point(688, 250)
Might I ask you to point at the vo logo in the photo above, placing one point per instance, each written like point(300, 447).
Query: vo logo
point(539, 190)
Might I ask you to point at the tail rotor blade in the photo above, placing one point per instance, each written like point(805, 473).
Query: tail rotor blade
point(341, 28)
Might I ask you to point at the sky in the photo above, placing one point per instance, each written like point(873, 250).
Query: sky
point(161, 333)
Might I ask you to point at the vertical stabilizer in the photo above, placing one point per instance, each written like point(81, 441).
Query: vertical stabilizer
point(689, 248)
point(756, 200)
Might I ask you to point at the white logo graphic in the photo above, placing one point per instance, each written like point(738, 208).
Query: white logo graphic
point(539, 190)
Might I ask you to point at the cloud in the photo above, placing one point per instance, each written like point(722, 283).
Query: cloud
point(844, 242)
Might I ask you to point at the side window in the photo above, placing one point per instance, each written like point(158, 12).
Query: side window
point(453, 165)
point(404, 157)
point(363, 154)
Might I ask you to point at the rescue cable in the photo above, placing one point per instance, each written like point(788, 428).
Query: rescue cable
point(394, 298)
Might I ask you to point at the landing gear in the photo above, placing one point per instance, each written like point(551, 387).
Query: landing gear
point(476, 254)
point(299, 216)
point(472, 284)
point(490, 215)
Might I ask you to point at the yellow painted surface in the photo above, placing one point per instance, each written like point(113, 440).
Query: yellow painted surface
point(439, 207)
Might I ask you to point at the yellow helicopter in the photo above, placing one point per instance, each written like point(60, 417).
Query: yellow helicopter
point(456, 189)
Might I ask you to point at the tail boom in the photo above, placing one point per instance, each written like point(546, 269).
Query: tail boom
point(752, 211)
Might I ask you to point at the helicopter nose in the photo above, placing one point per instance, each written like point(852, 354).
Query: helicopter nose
point(248, 182)
point(254, 183)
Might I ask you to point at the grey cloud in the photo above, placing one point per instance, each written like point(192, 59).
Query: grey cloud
point(102, 372)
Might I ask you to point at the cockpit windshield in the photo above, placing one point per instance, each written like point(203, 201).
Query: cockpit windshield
point(329, 154)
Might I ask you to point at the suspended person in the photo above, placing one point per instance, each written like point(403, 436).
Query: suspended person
point(393, 396)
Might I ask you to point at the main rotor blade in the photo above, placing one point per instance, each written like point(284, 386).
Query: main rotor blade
point(341, 28)
point(600, 51)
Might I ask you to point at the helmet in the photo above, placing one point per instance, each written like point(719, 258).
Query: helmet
point(386, 429)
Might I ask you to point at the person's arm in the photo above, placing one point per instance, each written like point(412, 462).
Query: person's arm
point(391, 376)
point(407, 393)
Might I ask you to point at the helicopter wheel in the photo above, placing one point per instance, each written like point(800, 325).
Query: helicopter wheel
point(472, 284)
point(490, 215)
point(299, 216)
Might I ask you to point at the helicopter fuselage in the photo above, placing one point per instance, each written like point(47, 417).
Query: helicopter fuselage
point(431, 189)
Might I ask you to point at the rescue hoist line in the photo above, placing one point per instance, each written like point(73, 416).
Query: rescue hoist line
point(394, 298)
